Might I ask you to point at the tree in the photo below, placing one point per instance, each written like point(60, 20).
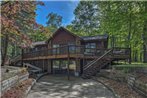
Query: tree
point(144, 34)
point(41, 34)
point(87, 17)
point(125, 22)
point(17, 18)
point(70, 27)
point(54, 20)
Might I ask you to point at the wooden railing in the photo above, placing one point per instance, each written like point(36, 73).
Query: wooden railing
point(119, 51)
point(76, 49)
point(95, 65)
point(15, 59)
point(109, 52)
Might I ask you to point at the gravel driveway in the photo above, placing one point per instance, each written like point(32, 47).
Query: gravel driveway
point(54, 86)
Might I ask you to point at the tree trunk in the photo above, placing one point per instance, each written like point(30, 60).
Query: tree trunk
point(144, 35)
point(135, 56)
point(4, 49)
point(112, 41)
point(144, 53)
point(129, 26)
point(140, 57)
point(13, 51)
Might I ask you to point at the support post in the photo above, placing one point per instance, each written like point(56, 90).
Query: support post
point(43, 65)
point(22, 56)
point(130, 56)
point(51, 62)
point(68, 64)
point(60, 69)
point(83, 65)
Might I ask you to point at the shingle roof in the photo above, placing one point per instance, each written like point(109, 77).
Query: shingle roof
point(98, 37)
point(38, 43)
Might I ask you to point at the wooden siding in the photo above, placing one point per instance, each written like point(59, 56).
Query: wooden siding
point(63, 38)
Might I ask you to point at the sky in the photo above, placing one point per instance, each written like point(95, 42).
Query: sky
point(63, 8)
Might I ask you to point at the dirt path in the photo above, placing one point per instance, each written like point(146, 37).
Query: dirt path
point(60, 87)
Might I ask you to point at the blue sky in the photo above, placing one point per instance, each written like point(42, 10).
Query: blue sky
point(63, 8)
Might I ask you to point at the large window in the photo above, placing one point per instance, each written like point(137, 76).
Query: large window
point(90, 47)
point(55, 45)
point(72, 47)
point(56, 50)
point(99, 44)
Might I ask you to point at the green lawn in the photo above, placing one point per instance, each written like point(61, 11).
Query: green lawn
point(132, 65)
point(128, 67)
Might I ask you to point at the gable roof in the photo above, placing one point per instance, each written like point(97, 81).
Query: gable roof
point(84, 38)
point(58, 31)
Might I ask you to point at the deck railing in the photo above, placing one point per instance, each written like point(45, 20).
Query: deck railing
point(77, 49)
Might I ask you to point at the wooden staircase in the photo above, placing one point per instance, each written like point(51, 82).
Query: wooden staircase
point(15, 59)
point(94, 66)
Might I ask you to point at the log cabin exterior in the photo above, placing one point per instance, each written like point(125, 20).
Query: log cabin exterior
point(66, 52)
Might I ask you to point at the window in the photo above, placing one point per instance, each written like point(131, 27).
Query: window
point(36, 49)
point(55, 45)
point(56, 49)
point(99, 44)
point(90, 47)
point(33, 49)
point(72, 47)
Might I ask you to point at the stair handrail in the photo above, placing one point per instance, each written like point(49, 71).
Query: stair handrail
point(32, 66)
point(94, 61)
point(15, 58)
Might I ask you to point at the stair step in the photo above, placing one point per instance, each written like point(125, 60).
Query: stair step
point(95, 67)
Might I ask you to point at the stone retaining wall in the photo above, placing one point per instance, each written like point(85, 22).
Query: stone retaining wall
point(131, 80)
point(137, 85)
point(141, 70)
point(10, 82)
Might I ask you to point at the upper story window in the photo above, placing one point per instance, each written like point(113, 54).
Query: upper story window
point(72, 48)
point(90, 45)
point(33, 49)
point(55, 45)
point(36, 49)
point(99, 44)
point(56, 49)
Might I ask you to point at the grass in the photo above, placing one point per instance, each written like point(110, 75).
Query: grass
point(128, 67)
point(132, 65)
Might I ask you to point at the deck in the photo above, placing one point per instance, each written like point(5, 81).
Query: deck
point(74, 51)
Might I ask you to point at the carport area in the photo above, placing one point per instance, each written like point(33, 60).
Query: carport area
point(57, 86)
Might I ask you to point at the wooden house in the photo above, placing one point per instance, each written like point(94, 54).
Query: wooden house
point(66, 52)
